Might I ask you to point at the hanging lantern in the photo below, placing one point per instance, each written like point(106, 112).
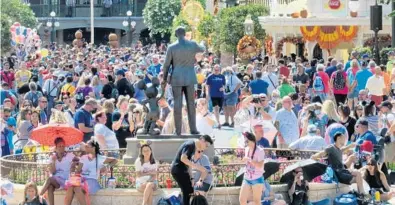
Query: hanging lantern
point(354, 7)
point(249, 25)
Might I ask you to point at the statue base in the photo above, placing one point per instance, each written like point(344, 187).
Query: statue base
point(164, 147)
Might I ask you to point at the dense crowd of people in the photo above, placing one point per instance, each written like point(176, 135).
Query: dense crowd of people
point(96, 90)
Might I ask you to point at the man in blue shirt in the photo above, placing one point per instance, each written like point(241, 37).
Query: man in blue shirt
point(363, 133)
point(362, 76)
point(259, 135)
point(154, 68)
point(258, 86)
point(332, 68)
point(83, 119)
point(215, 85)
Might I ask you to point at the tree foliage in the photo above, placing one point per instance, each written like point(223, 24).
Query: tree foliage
point(159, 14)
point(384, 54)
point(14, 11)
point(231, 24)
point(202, 2)
point(206, 25)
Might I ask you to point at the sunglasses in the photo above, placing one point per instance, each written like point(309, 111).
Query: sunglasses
point(65, 98)
point(136, 112)
point(200, 151)
point(44, 101)
point(369, 164)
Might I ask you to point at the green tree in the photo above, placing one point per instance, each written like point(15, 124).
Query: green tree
point(179, 20)
point(202, 2)
point(159, 14)
point(14, 11)
point(231, 25)
point(206, 25)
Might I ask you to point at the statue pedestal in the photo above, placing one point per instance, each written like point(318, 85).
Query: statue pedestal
point(164, 147)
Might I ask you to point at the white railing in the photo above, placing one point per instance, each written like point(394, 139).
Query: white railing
point(268, 3)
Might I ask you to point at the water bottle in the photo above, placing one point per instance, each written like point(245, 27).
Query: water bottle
point(377, 197)
point(168, 183)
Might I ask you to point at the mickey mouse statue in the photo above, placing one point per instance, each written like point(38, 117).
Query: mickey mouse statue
point(151, 93)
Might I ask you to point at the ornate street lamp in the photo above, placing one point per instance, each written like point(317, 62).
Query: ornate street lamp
point(249, 25)
point(53, 23)
point(130, 25)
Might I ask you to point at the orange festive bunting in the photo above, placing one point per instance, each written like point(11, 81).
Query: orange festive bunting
point(310, 33)
point(347, 32)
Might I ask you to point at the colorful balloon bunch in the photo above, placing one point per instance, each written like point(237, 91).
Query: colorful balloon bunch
point(25, 36)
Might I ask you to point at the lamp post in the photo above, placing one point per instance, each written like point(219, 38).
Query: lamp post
point(130, 26)
point(376, 25)
point(249, 25)
point(53, 23)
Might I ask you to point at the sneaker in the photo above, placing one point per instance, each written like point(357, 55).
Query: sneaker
point(232, 125)
point(225, 124)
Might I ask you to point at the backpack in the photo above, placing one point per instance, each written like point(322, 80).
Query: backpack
point(163, 201)
point(114, 92)
point(346, 199)
point(318, 84)
point(339, 82)
point(199, 200)
point(329, 176)
point(34, 98)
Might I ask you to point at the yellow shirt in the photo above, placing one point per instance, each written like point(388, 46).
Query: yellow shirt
point(22, 77)
point(200, 78)
point(68, 88)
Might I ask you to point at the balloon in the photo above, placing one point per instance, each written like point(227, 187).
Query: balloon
point(36, 37)
point(17, 39)
point(22, 38)
point(44, 52)
point(18, 30)
point(13, 43)
point(17, 24)
point(29, 30)
point(332, 130)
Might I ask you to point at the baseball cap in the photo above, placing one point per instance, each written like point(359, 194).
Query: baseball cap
point(311, 129)
point(120, 72)
point(386, 104)
point(365, 56)
point(7, 187)
point(362, 121)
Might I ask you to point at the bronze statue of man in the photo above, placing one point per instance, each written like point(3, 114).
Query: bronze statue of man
point(181, 56)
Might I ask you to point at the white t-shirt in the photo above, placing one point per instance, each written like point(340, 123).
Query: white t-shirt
point(387, 119)
point(63, 167)
point(203, 126)
point(109, 136)
point(69, 117)
point(144, 168)
point(89, 169)
point(375, 85)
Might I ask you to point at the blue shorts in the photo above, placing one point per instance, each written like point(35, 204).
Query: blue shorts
point(353, 94)
point(253, 182)
point(231, 99)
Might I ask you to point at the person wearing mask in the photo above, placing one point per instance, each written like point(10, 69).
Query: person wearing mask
point(83, 119)
point(286, 124)
point(271, 78)
point(215, 89)
point(334, 155)
point(312, 141)
point(51, 90)
point(339, 84)
point(260, 136)
point(353, 89)
point(347, 121)
point(258, 86)
point(123, 122)
point(232, 85)
point(320, 85)
point(182, 166)
point(376, 86)
point(332, 68)
point(123, 85)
